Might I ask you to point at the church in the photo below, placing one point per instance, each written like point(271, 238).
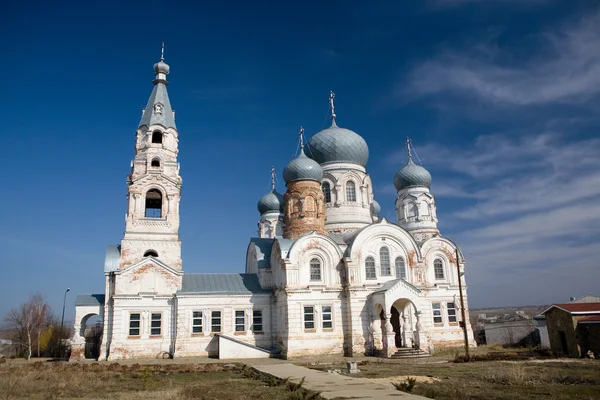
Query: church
point(324, 275)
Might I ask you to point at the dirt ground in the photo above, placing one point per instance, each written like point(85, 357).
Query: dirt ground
point(60, 380)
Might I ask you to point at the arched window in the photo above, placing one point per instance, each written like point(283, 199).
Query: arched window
point(153, 204)
point(150, 253)
point(400, 268)
point(370, 268)
point(155, 163)
point(326, 191)
point(350, 191)
point(384, 261)
point(157, 137)
point(315, 269)
point(438, 268)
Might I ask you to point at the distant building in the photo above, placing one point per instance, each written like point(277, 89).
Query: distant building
point(574, 328)
point(511, 333)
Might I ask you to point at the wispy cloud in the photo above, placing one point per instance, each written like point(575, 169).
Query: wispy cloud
point(568, 70)
point(446, 4)
point(532, 209)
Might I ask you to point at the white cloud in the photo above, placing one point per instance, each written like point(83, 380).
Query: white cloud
point(568, 71)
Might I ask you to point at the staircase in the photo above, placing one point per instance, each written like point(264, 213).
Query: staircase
point(409, 352)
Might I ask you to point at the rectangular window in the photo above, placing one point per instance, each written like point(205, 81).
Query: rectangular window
point(197, 322)
point(327, 318)
point(437, 313)
point(215, 322)
point(155, 324)
point(257, 321)
point(451, 312)
point(240, 321)
point(309, 317)
point(134, 324)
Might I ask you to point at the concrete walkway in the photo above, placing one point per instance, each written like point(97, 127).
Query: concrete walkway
point(333, 385)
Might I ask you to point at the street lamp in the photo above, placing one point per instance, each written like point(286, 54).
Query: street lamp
point(62, 320)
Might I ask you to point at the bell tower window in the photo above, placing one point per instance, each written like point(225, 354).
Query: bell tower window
point(157, 137)
point(153, 204)
point(150, 253)
point(155, 163)
point(350, 191)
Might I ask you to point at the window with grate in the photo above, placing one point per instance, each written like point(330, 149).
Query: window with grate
point(438, 268)
point(327, 317)
point(384, 260)
point(155, 324)
point(350, 191)
point(326, 188)
point(400, 268)
point(215, 321)
point(197, 322)
point(437, 313)
point(451, 312)
point(370, 268)
point(315, 269)
point(240, 321)
point(309, 317)
point(257, 321)
point(134, 324)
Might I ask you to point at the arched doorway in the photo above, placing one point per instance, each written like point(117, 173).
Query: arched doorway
point(91, 330)
point(403, 317)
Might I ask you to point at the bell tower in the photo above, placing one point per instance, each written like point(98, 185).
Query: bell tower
point(154, 185)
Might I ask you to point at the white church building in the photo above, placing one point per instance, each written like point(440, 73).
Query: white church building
point(325, 274)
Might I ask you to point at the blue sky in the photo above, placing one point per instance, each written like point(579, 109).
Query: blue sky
point(500, 98)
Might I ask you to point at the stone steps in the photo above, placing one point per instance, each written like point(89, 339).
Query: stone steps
point(406, 352)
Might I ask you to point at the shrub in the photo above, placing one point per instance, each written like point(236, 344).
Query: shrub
point(406, 386)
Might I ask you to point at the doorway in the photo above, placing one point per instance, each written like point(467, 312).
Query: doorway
point(563, 342)
point(395, 320)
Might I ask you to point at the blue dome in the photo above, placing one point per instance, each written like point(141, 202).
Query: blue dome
point(302, 168)
point(336, 144)
point(412, 175)
point(270, 202)
point(375, 208)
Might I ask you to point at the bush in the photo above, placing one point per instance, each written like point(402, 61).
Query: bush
point(406, 386)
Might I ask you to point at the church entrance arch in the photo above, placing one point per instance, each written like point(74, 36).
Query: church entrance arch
point(91, 333)
point(403, 318)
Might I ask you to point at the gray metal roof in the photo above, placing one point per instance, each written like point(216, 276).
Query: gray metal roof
point(285, 245)
point(389, 284)
point(263, 251)
point(221, 284)
point(163, 115)
point(89, 300)
point(302, 168)
point(412, 175)
point(336, 144)
point(272, 201)
point(112, 258)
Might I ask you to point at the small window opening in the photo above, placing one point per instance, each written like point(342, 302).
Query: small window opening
point(157, 137)
point(350, 191)
point(153, 204)
point(438, 268)
point(150, 253)
point(326, 192)
point(155, 163)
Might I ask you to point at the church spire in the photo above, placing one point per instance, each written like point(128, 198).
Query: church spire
point(158, 111)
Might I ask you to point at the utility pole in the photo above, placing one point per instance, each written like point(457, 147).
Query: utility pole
point(463, 323)
point(62, 321)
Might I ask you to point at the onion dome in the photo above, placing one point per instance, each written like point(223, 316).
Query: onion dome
point(302, 168)
point(412, 175)
point(375, 208)
point(161, 67)
point(270, 202)
point(336, 144)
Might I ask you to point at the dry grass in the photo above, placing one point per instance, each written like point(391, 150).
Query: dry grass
point(147, 382)
point(506, 380)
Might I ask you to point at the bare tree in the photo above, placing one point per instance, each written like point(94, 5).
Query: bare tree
point(27, 322)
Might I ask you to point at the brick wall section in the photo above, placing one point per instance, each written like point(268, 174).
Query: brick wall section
point(304, 209)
